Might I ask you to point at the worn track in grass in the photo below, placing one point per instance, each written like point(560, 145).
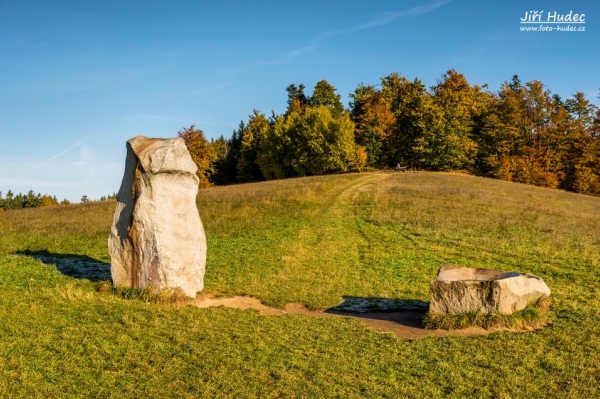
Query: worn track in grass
point(403, 324)
point(331, 238)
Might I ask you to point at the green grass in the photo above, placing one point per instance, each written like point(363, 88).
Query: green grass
point(313, 241)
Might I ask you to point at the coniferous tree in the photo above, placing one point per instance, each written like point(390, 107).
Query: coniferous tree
point(9, 201)
point(325, 94)
point(297, 100)
point(582, 109)
point(225, 164)
point(256, 129)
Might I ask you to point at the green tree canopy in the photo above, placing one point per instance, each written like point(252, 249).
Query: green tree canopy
point(325, 94)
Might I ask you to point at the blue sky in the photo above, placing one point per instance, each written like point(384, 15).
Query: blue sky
point(79, 78)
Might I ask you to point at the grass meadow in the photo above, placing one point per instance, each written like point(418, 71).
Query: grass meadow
point(311, 241)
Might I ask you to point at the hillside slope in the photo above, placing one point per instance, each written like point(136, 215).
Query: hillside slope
point(312, 241)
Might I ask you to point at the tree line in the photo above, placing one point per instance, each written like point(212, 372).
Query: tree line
point(32, 200)
point(315, 136)
point(29, 200)
point(521, 132)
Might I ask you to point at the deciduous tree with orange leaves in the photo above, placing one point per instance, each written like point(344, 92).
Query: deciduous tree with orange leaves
point(202, 151)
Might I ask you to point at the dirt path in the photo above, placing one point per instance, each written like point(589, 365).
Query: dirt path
point(331, 244)
point(403, 324)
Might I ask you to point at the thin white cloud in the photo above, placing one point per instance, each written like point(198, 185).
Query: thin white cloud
point(60, 154)
point(209, 89)
point(292, 55)
point(151, 117)
point(380, 20)
point(386, 18)
point(286, 58)
point(461, 58)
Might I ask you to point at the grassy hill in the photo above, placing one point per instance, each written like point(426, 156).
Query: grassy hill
point(311, 241)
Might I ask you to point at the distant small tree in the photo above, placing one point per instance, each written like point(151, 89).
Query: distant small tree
point(85, 199)
point(31, 200)
point(9, 201)
point(46, 200)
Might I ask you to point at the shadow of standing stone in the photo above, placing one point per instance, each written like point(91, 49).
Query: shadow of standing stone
point(354, 304)
point(384, 313)
point(76, 266)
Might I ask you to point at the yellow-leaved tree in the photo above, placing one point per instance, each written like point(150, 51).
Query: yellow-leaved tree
point(202, 151)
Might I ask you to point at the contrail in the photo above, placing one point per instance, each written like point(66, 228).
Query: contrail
point(382, 19)
point(63, 152)
point(387, 18)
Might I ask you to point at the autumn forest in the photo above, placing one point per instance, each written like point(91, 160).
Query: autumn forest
point(521, 133)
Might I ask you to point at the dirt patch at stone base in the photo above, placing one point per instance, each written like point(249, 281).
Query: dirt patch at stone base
point(404, 324)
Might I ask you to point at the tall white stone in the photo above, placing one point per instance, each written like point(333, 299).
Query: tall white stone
point(157, 238)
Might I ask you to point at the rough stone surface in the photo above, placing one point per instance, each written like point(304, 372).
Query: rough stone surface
point(458, 289)
point(157, 238)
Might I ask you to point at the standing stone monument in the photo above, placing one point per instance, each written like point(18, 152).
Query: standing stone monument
point(157, 239)
point(458, 289)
